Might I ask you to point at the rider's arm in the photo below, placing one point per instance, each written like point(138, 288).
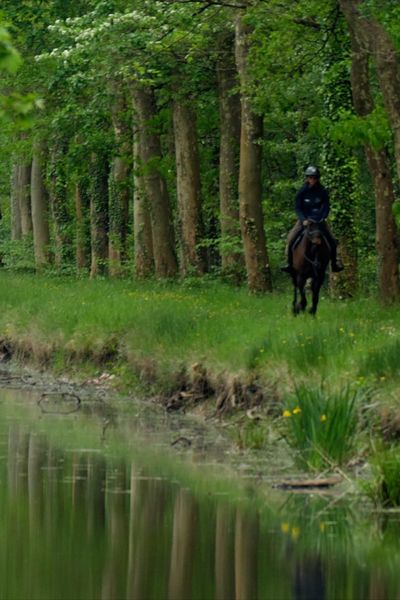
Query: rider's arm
point(298, 205)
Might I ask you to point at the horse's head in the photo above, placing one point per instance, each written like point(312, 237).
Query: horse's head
point(313, 233)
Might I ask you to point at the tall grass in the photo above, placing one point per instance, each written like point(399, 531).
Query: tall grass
point(383, 361)
point(320, 425)
point(385, 487)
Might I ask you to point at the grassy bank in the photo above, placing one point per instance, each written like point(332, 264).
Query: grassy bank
point(66, 322)
point(202, 339)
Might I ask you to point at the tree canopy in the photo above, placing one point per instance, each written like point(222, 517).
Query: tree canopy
point(177, 131)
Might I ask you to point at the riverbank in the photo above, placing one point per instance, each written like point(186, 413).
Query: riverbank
point(206, 347)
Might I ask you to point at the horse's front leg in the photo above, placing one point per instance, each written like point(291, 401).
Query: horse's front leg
point(303, 300)
point(315, 286)
point(294, 304)
point(299, 285)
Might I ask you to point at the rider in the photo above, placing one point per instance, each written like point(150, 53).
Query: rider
point(312, 204)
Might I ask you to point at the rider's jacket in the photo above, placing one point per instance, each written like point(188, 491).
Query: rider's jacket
point(312, 202)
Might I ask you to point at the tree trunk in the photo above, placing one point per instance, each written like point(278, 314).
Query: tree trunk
point(98, 192)
point(16, 228)
point(229, 110)
point(39, 198)
point(24, 187)
point(250, 193)
point(188, 189)
point(119, 186)
point(144, 257)
point(154, 183)
point(373, 38)
point(82, 210)
point(379, 166)
point(58, 202)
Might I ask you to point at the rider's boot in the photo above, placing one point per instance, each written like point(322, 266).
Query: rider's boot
point(288, 268)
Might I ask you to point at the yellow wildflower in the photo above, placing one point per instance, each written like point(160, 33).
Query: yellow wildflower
point(323, 418)
point(295, 533)
point(297, 410)
point(286, 413)
point(285, 527)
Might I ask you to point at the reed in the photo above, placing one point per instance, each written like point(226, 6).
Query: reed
point(320, 425)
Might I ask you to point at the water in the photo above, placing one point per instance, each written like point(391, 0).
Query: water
point(96, 506)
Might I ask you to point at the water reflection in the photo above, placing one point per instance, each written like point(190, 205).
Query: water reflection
point(79, 525)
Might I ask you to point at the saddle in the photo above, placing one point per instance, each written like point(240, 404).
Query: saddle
point(300, 236)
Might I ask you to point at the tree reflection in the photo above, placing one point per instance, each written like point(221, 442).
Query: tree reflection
point(80, 525)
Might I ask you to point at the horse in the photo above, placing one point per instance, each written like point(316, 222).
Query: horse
point(311, 254)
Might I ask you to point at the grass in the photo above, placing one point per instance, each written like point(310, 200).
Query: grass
point(222, 327)
point(321, 425)
point(147, 332)
point(384, 488)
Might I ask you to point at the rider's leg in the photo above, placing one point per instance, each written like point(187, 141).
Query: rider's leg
point(292, 235)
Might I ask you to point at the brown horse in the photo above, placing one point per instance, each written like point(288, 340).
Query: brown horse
point(311, 255)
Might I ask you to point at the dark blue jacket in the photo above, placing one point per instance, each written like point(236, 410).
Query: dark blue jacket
point(312, 202)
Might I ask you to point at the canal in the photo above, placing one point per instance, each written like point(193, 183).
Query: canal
point(130, 503)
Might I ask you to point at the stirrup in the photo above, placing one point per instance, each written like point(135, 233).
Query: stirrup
point(287, 269)
point(337, 267)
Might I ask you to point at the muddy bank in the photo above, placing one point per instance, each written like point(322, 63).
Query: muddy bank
point(184, 389)
point(237, 416)
point(191, 389)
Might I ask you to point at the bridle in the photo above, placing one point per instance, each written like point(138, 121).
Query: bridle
point(315, 236)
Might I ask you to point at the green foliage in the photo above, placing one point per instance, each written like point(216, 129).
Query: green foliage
point(382, 362)
point(396, 212)
point(354, 131)
point(252, 435)
point(384, 489)
point(320, 425)
point(17, 255)
point(77, 53)
point(10, 58)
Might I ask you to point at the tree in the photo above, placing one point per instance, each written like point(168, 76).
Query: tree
point(41, 234)
point(373, 37)
point(251, 215)
point(150, 155)
point(229, 114)
point(188, 188)
point(380, 169)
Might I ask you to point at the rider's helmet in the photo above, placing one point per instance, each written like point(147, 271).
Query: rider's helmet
point(312, 171)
